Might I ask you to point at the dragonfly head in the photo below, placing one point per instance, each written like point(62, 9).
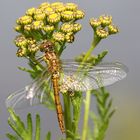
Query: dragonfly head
point(46, 46)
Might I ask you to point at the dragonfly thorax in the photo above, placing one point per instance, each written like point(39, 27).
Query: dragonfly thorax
point(53, 62)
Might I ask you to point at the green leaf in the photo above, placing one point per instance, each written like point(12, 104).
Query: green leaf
point(111, 113)
point(100, 57)
point(21, 131)
point(29, 125)
point(11, 137)
point(48, 136)
point(37, 133)
point(26, 70)
point(16, 124)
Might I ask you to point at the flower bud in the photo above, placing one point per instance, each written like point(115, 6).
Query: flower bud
point(78, 14)
point(40, 16)
point(31, 41)
point(76, 27)
point(105, 20)
point(25, 20)
point(60, 9)
point(28, 27)
point(69, 37)
point(80, 57)
point(91, 59)
point(95, 23)
point(21, 41)
point(38, 11)
point(21, 52)
point(112, 29)
point(56, 4)
point(48, 28)
point(67, 15)
point(71, 6)
point(36, 25)
point(66, 27)
point(58, 36)
point(49, 11)
point(53, 18)
point(18, 28)
point(102, 33)
point(30, 11)
point(33, 48)
point(44, 5)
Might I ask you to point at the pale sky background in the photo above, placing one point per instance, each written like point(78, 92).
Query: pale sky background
point(123, 47)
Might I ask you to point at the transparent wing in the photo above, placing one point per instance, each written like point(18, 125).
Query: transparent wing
point(32, 94)
point(91, 77)
point(108, 73)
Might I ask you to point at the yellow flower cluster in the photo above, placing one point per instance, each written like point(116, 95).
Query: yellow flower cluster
point(25, 46)
point(103, 26)
point(54, 21)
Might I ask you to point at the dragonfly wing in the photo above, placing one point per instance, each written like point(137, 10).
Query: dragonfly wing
point(70, 81)
point(19, 99)
point(72, 65)
point(93, 77)
point(108, 73)
point(32, 94)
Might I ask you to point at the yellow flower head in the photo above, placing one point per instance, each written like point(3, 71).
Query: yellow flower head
point(49, 11)
point(44, 5)
point(95, 22)
point(67, 27)
point(57, 4)
point(21, 41)
point(40, 16)
point(38, 11)
point(48, 28)
point(78, 14)
point(36, 25)
point(21, 52)
point(77, 27)
point(30, 11)
point(102, 33)
point(113, 29)
point(58, 36)
point(67, 15)
point(18, 28)
point(105, 20)
point(71, 6)
point(60, 8)
point(69, 37)
point(33, 48)
point(31, 41)
point(25, 20)
point(53, 18)
point(28, 27)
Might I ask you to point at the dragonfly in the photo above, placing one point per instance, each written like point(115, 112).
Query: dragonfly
point(65, 76)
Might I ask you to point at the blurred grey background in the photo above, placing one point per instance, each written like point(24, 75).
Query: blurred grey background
point(124, 47)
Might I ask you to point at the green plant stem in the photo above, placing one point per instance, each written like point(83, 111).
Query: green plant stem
point(76, 103)
point(86, 115)
point(94, 43)
point(67, 115)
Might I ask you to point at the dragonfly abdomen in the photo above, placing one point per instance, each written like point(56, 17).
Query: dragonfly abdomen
point(54, 69)
point(55, 78)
